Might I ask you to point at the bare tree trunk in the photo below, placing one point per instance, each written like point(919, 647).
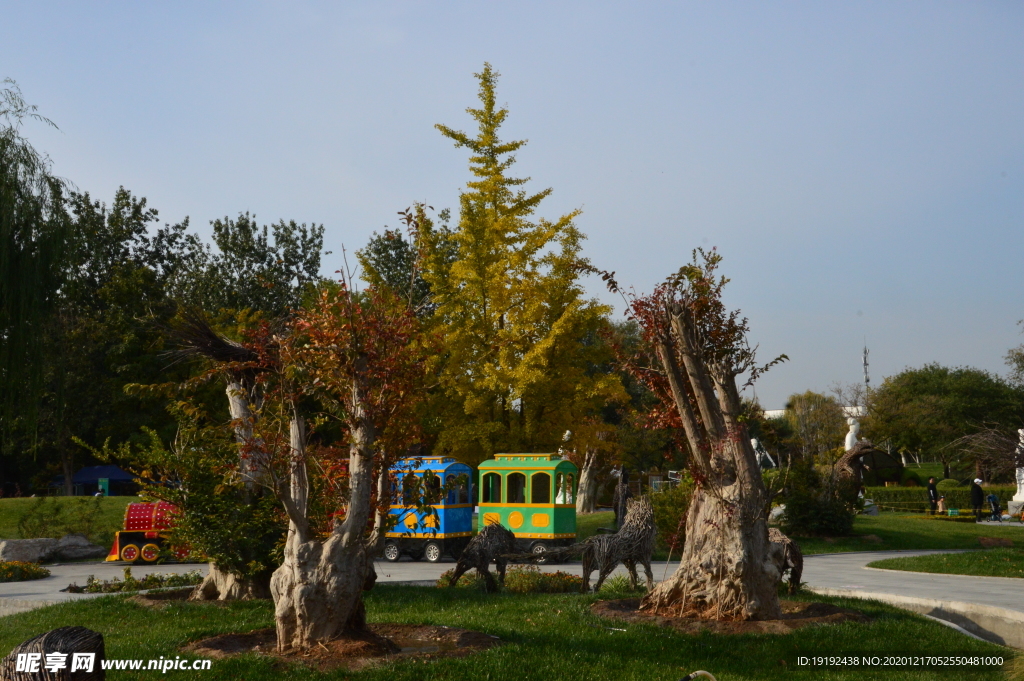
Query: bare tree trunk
point(221, 585)
point(67, 465)
point(726, 570)
point(586, 497)
point(318, 588)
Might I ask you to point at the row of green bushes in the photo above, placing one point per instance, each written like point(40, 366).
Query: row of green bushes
point(915, 499)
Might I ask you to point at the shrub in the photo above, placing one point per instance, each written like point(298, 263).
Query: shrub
point(948, 483)
point(670, 509)
point(48, 517)
point(910, 478)
point(620, 584)
point(522, 579)
point(19, 571)
point(817, 506)
point(915, 500)
point(129, 583)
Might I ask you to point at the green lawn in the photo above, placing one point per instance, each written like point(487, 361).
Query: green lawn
point(108, 520)
point(989, 563)
point(890, 532)
point(549, 638)
point(587, 524)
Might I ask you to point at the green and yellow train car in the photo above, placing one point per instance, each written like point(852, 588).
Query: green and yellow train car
point(534, 495)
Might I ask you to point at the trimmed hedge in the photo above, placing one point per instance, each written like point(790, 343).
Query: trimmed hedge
point(915, 499)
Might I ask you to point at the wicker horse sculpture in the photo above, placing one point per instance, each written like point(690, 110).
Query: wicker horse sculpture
point(632, 544)
point(493, 543)
point(787, 556)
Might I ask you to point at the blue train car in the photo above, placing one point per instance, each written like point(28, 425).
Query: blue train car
point(444, 485)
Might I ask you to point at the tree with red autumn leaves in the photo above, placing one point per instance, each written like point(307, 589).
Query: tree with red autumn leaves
point(693, 351)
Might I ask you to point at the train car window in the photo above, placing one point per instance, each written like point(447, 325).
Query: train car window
point(564, 495)
point(462, 491)
point(431, 487)
point(492, 489)
point(516, 488)
point(540, 488)
point(410, 490)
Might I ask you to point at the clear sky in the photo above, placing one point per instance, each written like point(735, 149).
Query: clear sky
point(860, 165)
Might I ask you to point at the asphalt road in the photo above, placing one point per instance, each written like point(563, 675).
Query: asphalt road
point(836, 570)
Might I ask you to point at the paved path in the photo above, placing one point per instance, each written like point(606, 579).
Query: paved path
point(848, 571)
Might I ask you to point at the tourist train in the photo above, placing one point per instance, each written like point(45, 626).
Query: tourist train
point(533, 495)
point(144, 536)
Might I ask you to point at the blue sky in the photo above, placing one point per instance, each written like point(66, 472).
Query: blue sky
point(859, 165)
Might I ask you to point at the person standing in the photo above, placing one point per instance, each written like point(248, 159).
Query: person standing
point(977, 497)
point(933, 495)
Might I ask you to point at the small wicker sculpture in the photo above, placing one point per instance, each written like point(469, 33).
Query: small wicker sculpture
point(633, 543)
point(58, 648)
point(787, 556)
point(493, 543)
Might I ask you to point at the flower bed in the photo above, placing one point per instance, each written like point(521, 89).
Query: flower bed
point(19, 571)
point(129, 583)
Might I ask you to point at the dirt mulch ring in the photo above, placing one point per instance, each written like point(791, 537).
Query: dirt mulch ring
point(795, 615)
point(384, 643)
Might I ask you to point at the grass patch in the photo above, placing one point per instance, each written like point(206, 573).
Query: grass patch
point(108, 520)
point(988, 563)
point(130, 583)
point(587, 523)
point(891, 532)
point(551, 636)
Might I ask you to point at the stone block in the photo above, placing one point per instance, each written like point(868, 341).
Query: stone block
point(77, 547)
point(27, 550)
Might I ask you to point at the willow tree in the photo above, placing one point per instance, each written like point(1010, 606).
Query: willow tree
point(34, 230)
point(699, 349)
point(520, 350)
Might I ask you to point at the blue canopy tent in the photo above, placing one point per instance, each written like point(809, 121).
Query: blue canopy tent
point(87, 481)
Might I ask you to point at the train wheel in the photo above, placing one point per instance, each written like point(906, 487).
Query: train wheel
point(391, 552)
point(150, 552)
point(432, 552)
point(538, 550)
point(130, 553)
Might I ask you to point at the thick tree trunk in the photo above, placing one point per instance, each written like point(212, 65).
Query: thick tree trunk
point(726, 570)
point(241, 413)
point(586, 496)
point(67, 465)
point(318, 588)
point(220, 585)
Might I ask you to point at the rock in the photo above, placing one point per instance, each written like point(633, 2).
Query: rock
point(27, 550)
point(77, 547)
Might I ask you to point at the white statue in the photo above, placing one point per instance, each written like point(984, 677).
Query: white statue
point(1019, 461)
point(851, 437)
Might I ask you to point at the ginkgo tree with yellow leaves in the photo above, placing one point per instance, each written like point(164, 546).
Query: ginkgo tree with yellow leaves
point(522, 360)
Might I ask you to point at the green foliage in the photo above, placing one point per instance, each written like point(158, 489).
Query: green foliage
point(816, 506)
point(236, 528)
point(34, 231)
point(20, 571)
point(1003, 562)
point(130, 583)
point(521, 579)
point(48, 517)
point(521, 362)
point(670, 509)
point(817, 425)
point(947, 484)
point(619, 586)
point(915, 499)
point(923, 410)
point(911, 478)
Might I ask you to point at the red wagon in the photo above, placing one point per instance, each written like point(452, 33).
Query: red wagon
point(145, 533)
